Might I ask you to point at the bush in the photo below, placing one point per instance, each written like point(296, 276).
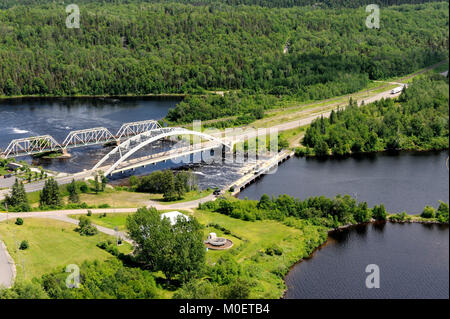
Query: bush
point(302, 151)
point(85, 227)
point(109, 247)
point(274, 250)
point(89, 213)
point(428, 212)
point(400, 217)
point(379, 212)
point(84, 188)
point(442, 213)
point(24, 245)
point(19, 221)
point(104, 206)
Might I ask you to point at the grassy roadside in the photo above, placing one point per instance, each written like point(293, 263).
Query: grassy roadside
point(113, 198)
point(52, 244)
point(189, 196)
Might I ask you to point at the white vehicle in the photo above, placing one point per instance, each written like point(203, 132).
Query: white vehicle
point(397, 90)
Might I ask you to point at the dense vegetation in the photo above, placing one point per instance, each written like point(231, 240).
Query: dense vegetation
point(142, 48)
point(176, 250)
point(418, 120)
point(321, 211)
point(172, 185)
point(99, 280)
point(266, 3)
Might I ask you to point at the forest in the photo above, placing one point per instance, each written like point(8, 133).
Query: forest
point(418, 120)
point(264, 3)
point(170, 47)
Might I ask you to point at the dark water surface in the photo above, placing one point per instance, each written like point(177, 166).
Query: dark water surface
point(20, 118)
point(413, 260)
point(403, 182)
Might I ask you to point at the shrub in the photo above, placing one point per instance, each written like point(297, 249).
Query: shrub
point(109, 247)
point(379, 212)
point(274, 250)
point(89, 213)
point(400, 217)
point(104, 206)
point(302, 151)
point(84, 188)
point(428, 212)
point(19, 221)
point(442, 213)
point(24, 245)
point(85, 227)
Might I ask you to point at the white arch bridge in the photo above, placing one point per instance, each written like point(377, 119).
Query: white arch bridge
point(121, 153)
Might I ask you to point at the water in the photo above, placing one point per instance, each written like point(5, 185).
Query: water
point(413, 260)
point(403, 182)
point(20, 118)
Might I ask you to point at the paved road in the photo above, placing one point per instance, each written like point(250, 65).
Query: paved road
point(7, 268)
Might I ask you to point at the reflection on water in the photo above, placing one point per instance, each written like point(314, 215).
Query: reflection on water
point(403, 182)
point(413, 260)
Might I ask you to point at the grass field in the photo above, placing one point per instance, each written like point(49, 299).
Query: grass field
point(122, 198)
point(189, 196)
point(52, 244)
point(110, 221)
point(254, 238)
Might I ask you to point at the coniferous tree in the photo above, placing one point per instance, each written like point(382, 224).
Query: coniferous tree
point(50, 195)
point(74, 197)
point(18, 200)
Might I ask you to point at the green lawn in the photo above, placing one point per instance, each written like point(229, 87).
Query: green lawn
point(189, 196)
point(121, 198)
point(110, 221)
point(52, 244)
point(255, 237)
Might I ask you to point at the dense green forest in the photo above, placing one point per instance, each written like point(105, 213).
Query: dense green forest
point(142, 48)
point(264, 3)
point(418, 120)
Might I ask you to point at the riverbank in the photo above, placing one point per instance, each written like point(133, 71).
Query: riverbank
point(105, 96)
point(303, 152)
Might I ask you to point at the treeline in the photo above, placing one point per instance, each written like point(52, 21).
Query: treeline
point(142, 48)
point(418, 120)
point(319, 210)
point(264, 3)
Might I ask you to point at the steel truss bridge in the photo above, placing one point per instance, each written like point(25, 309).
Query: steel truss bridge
point(122, 152)
point(80, 138)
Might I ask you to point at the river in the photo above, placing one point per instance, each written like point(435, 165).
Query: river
point(26, 117)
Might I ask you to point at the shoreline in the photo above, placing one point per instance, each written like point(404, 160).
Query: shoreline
point(105, 96)
point(349, 226)
point(388, 152)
